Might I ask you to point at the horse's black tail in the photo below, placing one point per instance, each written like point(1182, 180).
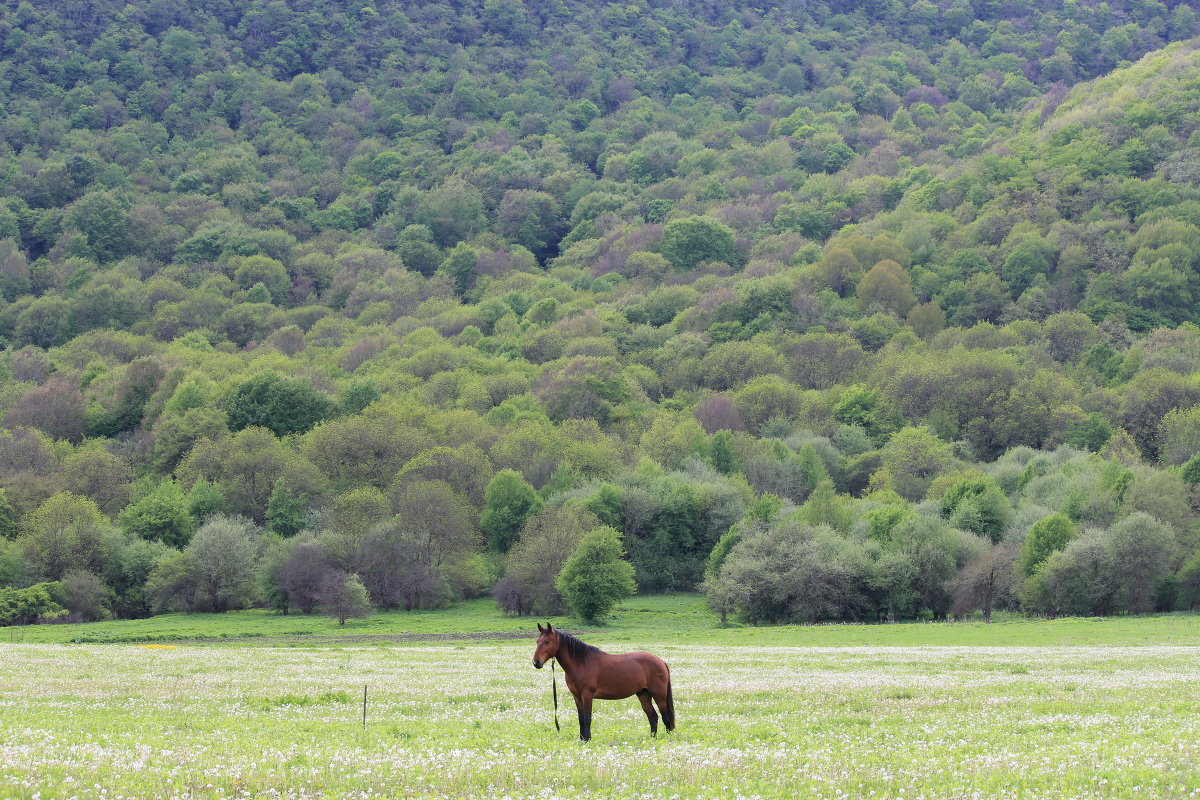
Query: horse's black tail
point(668, 713)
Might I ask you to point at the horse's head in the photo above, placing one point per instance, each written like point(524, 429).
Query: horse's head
point(547, 645)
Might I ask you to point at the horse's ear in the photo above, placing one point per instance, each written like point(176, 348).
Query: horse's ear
point(540, 628)
point(549, 627)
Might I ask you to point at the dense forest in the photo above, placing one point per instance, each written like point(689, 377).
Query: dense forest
point(834, 310)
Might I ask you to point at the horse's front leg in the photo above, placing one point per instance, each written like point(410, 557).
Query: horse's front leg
point(583, 704)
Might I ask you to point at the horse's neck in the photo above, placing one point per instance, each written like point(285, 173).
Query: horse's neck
point(565, 660)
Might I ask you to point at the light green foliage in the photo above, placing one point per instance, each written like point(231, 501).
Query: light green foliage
point(913, 457)
point(1047, 536)
point(825, 507)
point(791, 572)
point(220, 563)
point(205, 499)
point(65, 532)
point(1143, 550)
point(344, 597)
point(596, 576)
point(1191, 470)
point(160, 515)
point(882, 520)
point(978, 505)
point(28, 605)
point(268, 272)
point(8, 517)
point(887, 284)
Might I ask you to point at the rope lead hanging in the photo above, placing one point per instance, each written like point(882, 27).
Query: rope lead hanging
point(554, 683)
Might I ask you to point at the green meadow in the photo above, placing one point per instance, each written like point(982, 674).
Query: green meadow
point(682, 618)
point(259, 705)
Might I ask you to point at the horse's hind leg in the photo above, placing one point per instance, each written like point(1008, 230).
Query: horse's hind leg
point(648, 707)
point(666, 706)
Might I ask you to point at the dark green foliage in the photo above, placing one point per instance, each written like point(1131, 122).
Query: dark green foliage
point(508, 502)
point(358, 395)
point(461, 267)
point(104, 222)
point(1089, 435)
point(285, 510)
point(689, 241)
point(722, 453)
point(83, 595)
point(666, 556)
point(279, 404)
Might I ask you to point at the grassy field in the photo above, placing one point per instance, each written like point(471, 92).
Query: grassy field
point(682, 618)
point(1083, 708)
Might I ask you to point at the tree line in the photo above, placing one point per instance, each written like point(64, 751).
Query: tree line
point(818, 307)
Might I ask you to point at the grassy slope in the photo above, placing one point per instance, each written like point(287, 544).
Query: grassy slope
point(673, 618)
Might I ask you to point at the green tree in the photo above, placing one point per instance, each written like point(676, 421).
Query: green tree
point(1048, 535)
point(205, 499)
point(344, 597)
point(8, 517)
point(46, 322)
point(453, 211)
point(28, 605)
point(461, 266)
point(689, 241)
point(531, 219)
point(889, 285)
point(913, 457)
point(280, 404)
point(927, 319)
point(105, 222)
point(596, 576)
point(979, 505)
point(1143, 550)
point(285, 510)
point(63, 533)
point(222, 556)
point(267, 271)
point(160, 515)
point(508, 502)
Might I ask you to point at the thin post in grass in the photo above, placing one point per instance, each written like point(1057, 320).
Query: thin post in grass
point(364, 706)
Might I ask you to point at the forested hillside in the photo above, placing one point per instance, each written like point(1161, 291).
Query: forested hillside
point(837, 311)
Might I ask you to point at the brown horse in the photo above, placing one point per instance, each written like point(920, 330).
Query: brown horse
point(593, 674)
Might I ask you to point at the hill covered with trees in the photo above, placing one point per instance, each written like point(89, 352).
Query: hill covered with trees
point(839, 311)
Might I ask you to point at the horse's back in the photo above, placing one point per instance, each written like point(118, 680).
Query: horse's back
point(629, 673)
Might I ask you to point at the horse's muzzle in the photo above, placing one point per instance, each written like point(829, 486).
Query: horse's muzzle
point(538, 664)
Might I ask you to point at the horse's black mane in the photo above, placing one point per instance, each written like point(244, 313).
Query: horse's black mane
point(580, 652)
